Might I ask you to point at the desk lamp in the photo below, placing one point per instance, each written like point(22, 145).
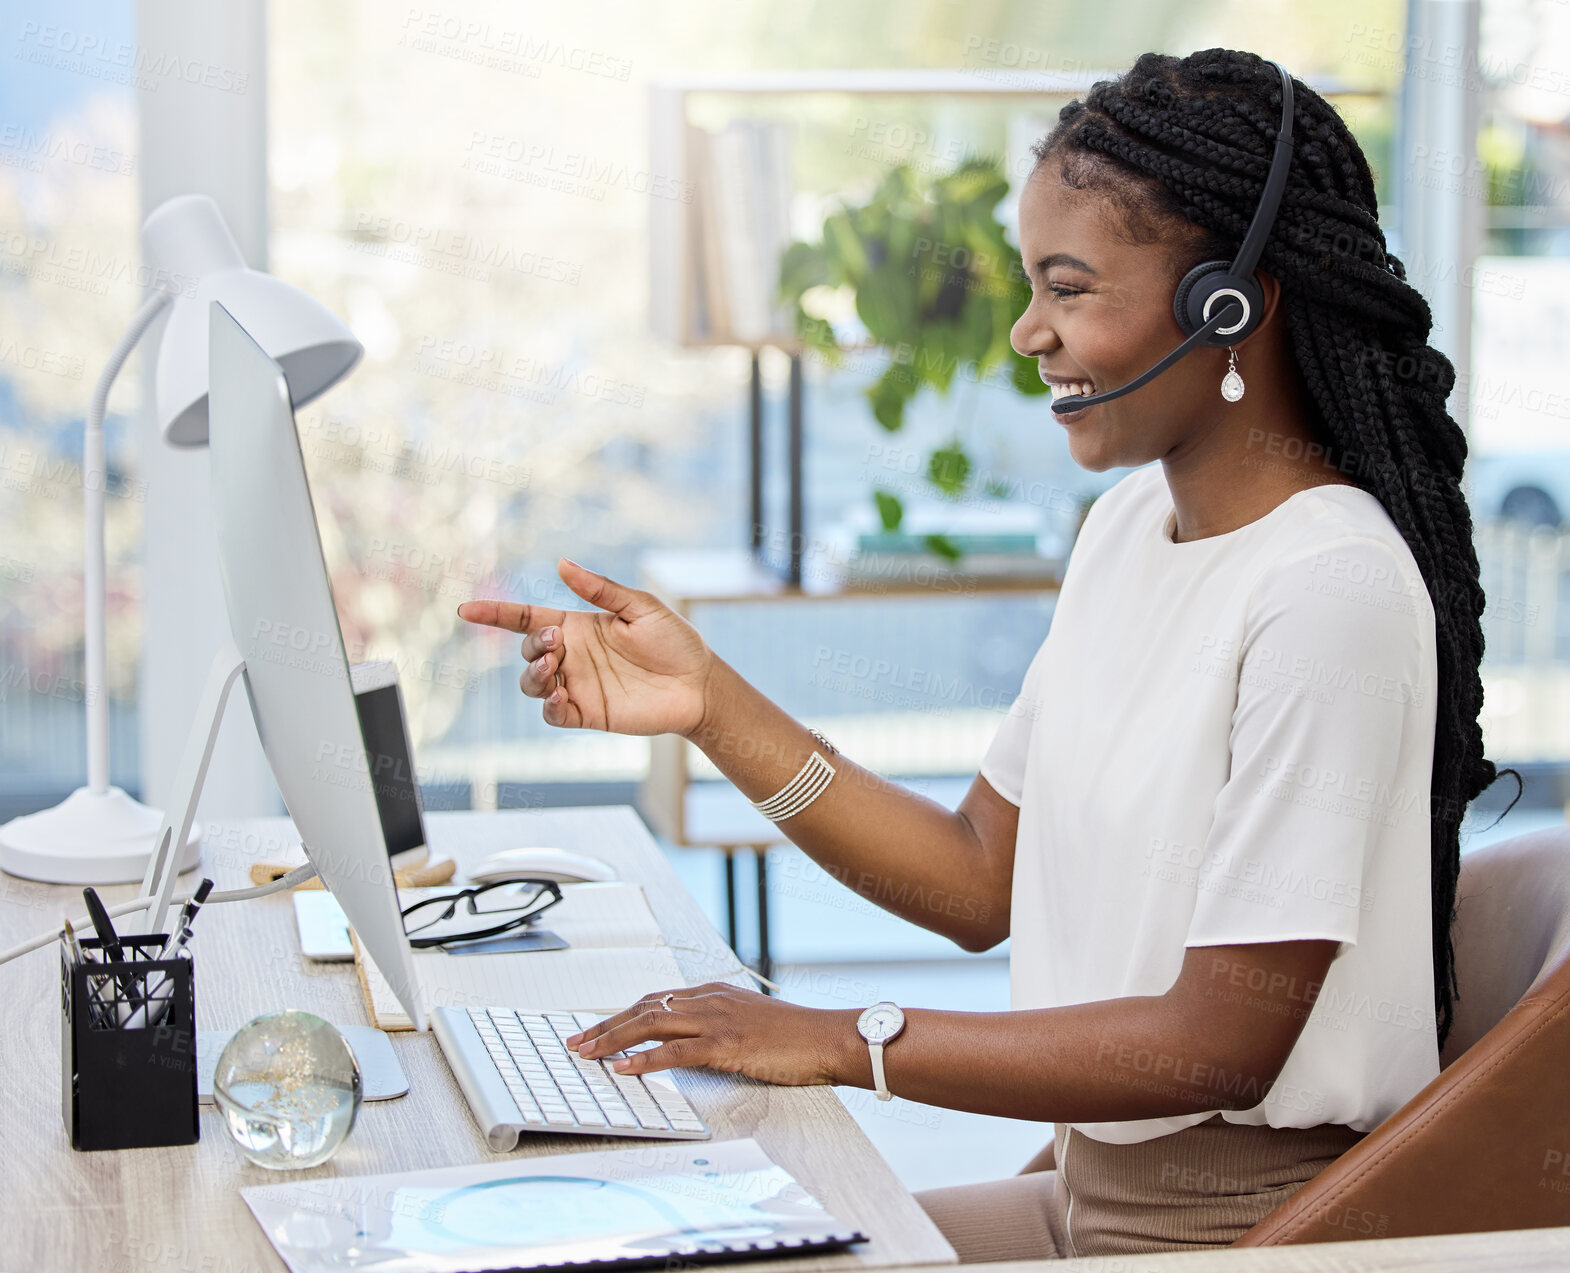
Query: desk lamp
point(98, 834)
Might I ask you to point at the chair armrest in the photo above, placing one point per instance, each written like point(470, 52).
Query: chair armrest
point(1484, 1147)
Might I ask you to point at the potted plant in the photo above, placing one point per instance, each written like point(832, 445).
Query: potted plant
point(937, 285)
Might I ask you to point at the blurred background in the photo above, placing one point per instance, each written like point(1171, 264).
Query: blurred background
point(557, 231)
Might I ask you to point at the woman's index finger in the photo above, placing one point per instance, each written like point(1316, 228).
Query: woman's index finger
point(509, 615)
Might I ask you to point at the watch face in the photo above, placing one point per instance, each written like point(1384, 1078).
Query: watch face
point(881, 1022)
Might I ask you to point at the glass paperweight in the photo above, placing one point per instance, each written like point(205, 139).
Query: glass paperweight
point(289, 1088)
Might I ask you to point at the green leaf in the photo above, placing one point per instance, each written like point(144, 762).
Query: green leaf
point(817, 334)
point(890, 510)
point(889, 394)
point(943, 546)
point(948, 468)
point(802, 266)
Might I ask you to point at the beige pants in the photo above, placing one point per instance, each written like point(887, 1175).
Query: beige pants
point(1204, 1186)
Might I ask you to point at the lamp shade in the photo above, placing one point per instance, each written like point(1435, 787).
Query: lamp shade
point(195, 257)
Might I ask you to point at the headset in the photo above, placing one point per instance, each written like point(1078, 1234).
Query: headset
point(1229, 285)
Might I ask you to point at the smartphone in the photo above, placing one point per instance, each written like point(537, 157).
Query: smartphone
point(390, 758)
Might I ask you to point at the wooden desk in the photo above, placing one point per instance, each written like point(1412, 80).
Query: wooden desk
point(180, 1209)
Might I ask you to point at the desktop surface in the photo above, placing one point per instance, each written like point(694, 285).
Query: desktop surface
point(180, 1208)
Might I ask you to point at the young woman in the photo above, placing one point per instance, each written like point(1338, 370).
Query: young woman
point(1219, 824)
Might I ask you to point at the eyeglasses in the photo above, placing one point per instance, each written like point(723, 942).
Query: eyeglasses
point(472, 914)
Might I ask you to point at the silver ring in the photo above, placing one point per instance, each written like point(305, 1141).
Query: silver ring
point(665, 999)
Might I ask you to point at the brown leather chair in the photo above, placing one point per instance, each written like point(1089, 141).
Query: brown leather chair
point(1486, 1145)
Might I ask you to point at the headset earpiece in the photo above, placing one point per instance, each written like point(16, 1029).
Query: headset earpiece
point(1205, 289)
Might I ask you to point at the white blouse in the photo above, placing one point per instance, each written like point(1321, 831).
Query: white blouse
point(1226, 741)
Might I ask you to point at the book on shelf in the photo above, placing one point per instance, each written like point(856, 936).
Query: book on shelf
point(933, 569)
point(717, 255)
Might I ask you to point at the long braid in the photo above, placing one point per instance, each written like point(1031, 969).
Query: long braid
point(1183, 146)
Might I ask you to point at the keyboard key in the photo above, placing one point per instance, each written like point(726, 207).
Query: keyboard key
point(665, 1092)
point(525, 1103)
point(651, 1119)
point(551, 1103)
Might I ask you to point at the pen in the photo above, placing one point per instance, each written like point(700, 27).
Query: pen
point(73, 949)
point(187, 913)
point(103, 925)
point(110, 939)
point(73, 954)
point(71, 943)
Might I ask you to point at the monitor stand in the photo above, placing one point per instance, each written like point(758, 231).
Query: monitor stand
point(180, 812)
point(158, 885)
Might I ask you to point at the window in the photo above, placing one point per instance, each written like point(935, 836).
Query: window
point(69, 282)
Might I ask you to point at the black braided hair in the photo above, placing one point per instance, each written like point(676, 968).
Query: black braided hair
point(1181, 147)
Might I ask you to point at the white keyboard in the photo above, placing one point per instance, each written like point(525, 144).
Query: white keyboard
point(518, 1075)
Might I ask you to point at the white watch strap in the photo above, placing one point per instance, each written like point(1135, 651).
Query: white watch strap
point(877, 1072)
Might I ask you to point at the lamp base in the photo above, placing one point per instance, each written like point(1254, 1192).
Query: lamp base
point(88, 838)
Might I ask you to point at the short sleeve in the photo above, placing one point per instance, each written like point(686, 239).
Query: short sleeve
point(1333, 685)
point(1003, 766)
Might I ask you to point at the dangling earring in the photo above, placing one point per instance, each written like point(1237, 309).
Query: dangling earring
point(1231, 383)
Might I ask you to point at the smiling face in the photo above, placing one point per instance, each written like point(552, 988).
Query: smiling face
point(1101, 311)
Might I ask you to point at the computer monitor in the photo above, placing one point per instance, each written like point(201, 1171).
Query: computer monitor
point(390, 751)
point(285, 626)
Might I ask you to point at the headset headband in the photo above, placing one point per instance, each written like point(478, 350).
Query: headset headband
point(1275, 185)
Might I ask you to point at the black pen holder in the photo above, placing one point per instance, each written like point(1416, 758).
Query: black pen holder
point(128, 1047)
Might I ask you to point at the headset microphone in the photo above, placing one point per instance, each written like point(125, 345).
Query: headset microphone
point(1207, 301)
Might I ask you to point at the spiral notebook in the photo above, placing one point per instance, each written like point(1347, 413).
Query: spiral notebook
point(606, 1209)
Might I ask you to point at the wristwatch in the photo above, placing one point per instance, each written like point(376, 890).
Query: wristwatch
point(878, 1025)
